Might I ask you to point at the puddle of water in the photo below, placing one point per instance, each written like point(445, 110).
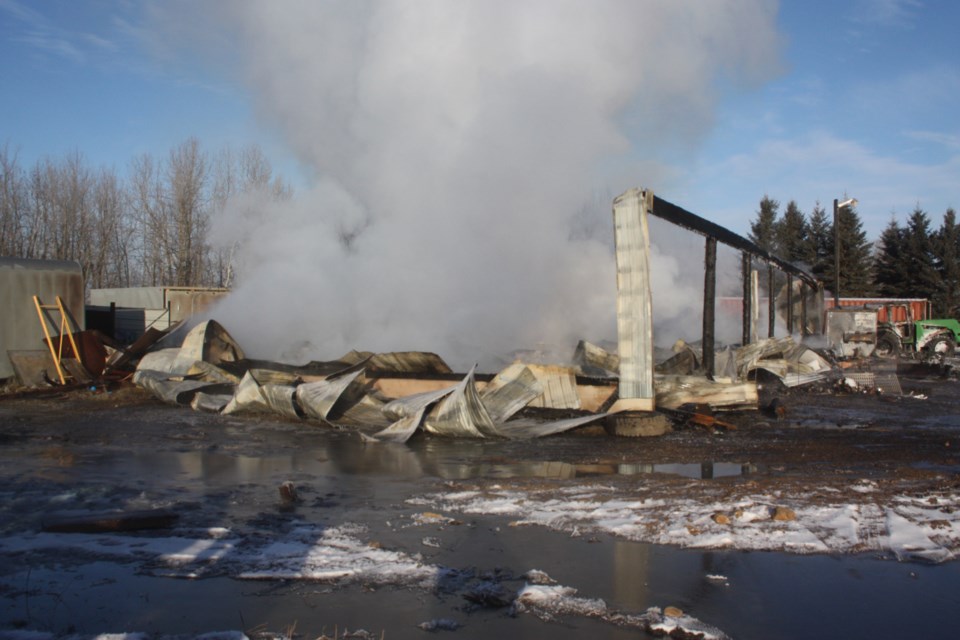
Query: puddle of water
point(214, 468)
point(746, 595)
point(759, 595)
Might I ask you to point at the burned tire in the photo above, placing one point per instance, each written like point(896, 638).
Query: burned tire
point(942, 346)
point(887, 345)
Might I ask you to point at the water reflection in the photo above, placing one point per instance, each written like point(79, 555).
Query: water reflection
point(342, 456)
point(565, 470)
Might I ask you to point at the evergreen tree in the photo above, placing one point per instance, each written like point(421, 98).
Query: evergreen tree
point(917, 257)
point(820, 243)
point(856, 279)
point(889, 276)
point(763, 229)
point(791, 236)
point(946, 248)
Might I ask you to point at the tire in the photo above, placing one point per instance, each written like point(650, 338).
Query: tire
point(887, 346)
point(943, 346)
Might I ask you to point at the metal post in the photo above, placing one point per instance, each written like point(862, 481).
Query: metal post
point(634, 300)
point(709, 304)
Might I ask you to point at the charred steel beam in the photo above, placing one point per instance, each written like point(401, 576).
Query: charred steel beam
point(709, 303)
point(771, 300)
point(681, 217)
point(745, 270)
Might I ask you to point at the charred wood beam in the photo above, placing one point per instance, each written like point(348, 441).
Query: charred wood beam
point(789, 305)
point(803, 310)
point(681, 217)
point(745, 273)
point(709, 304)
point(771, 303)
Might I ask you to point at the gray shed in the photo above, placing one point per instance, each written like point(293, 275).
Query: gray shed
point(20, 280)
point(134, 309)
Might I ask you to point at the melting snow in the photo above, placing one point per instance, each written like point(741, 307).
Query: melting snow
point(926, 528)
point(307, 552)
point(550, 602)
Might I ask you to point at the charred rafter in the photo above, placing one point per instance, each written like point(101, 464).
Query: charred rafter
point(681, 217)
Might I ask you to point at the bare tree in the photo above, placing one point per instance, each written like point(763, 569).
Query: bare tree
point(151, 249)
point(13, 203)
point(37, 229)
point(236, 173)
point(151, 228)
point(186, 176)
point(110, 251)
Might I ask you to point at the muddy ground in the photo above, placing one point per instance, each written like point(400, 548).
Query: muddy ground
point(94, 451)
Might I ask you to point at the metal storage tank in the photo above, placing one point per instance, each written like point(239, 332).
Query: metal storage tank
point(20, 280)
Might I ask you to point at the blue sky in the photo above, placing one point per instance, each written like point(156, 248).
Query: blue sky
point(865, 106)
point(864, 103)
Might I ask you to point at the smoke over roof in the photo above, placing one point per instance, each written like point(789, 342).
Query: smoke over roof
point(459, 148)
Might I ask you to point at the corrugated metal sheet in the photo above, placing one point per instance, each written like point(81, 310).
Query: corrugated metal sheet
point(462, 414)
point(408, 414)
point(317, 398)
point(896, 309)
point(398, 361)
point(510, 391)
point(634, 301)
point(559, 386)
point(20, 280)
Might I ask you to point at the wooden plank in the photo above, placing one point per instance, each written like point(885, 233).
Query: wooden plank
point(676, 391)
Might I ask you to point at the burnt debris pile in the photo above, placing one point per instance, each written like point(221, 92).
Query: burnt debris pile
point(391, 396)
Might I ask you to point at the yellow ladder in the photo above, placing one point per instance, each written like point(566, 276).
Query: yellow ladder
point(65, 329)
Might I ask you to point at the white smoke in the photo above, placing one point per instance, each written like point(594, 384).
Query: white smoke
point(455, 143)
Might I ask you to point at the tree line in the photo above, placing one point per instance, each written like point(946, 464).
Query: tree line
point(149, 227)
point(907, 261)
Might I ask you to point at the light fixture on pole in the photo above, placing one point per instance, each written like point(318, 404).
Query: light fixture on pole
point(837, 205)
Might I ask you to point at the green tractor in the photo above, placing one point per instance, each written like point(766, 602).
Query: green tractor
point(935, 336)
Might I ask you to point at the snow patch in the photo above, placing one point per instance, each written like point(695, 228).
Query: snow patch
point(924, 527)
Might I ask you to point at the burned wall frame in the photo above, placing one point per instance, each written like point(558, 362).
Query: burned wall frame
point(751, 252)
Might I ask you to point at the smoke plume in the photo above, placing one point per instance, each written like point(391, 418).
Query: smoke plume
point(457, 148)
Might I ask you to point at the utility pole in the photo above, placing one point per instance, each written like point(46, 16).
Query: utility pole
point(837, 205)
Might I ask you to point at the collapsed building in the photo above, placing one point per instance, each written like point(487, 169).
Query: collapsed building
point(632, 389)
point(389, 397)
